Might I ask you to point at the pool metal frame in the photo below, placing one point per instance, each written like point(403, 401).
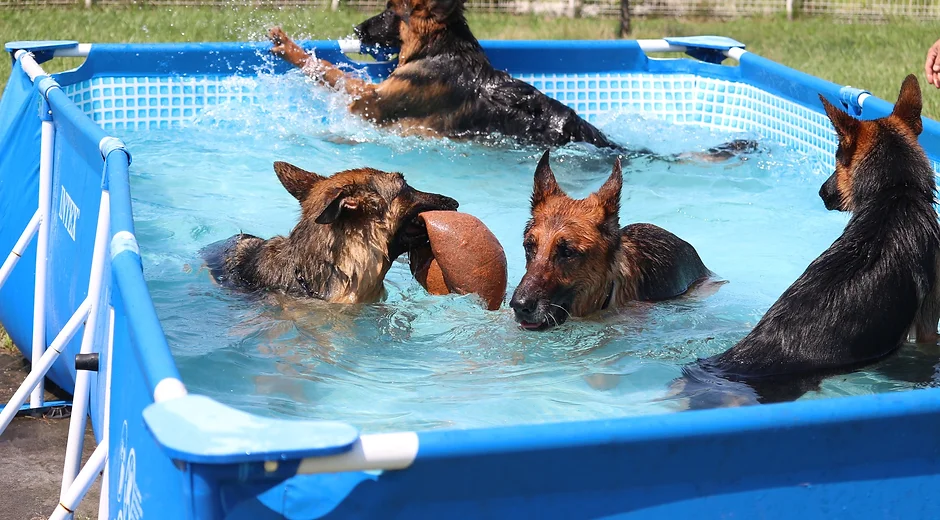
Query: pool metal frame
point(201, 459)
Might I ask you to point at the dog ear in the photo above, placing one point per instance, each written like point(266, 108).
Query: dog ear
point(846, 126)
point(329, 208)
point(545, 184)
point(441, 9)
point(609, 193)
point(296, 181)
point(909, 105)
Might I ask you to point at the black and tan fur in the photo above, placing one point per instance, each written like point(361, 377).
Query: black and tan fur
point(579, 260)
point(858, 301)
point(353, 225)
point(445, 86)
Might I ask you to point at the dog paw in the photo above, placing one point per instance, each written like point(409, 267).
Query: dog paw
point(277, 36)
point(284, 47)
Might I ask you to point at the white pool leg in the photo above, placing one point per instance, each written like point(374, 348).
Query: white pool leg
point(39, 369)
point(80, 397)
point(39, 294)
point(19, 247)
point(104, 504)
point(84, 481)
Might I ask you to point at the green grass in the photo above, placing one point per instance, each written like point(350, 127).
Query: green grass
point(6, 344)
point(871, 56)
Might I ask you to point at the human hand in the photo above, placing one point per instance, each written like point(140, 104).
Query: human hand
point(932, 66)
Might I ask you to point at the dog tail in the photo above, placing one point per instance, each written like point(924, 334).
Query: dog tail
point(708, 383)
point(715, 154)
point(703, 385)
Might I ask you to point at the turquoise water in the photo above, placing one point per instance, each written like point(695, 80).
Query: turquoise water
point(417, 361)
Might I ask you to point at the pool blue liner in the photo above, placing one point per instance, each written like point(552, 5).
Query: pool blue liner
point(867, 456)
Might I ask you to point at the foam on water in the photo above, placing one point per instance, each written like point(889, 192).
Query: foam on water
point(417, 361)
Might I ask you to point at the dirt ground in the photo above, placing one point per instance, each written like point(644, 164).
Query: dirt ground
point(32, 451)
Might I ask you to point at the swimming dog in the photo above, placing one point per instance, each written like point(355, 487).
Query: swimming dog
point(860, 300)
point(445, 86)
point(579, 260)
point(353, 225)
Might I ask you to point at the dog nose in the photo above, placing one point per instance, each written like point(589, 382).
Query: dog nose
point(449, 203)
point(523, 306)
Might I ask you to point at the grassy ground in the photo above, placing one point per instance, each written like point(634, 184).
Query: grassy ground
point(876, 57)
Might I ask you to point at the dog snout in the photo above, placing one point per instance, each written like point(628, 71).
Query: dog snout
point(529, 307)
point(381, 30)
point(434, 202)
point(829, 193)
point(524, 306)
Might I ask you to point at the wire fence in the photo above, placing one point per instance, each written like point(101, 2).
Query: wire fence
point(856, 9)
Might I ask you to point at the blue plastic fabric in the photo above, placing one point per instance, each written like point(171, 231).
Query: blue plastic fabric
point(143, 482)
point(298, 498)
point(195, 428)
point(42, 50)
point(20, 130)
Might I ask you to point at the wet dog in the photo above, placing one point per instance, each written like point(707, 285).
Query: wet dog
point(445, 86)
point(860, 300)
point(353, 225)
point(579, 260)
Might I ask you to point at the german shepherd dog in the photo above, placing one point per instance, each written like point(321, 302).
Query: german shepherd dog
point(352, 226)
point(445, 86)
point(579, 260)
point(860, 300)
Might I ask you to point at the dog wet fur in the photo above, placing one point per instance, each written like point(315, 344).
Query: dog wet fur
point(445, 86)
point(862, 298)
point(580, 261)
point(353, 225)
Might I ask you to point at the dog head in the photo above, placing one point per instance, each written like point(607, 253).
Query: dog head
point(570, 250)
point(858, 141)
point(402, 19)
point(363, 204)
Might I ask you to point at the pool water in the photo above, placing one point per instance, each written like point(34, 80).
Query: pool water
point(416, 361)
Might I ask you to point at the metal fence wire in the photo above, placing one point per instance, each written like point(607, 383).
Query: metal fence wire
point(857, 9)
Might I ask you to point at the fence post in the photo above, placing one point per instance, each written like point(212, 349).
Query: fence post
point(790, 10)
point(625, 18)
point(334, 4)
point(87, 3)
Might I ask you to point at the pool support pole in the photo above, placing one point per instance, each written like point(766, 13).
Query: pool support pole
point(45, 362)
point(47, 148)
point(104, 503)
point(80, 397)
point(83, 482)
point(19, 247)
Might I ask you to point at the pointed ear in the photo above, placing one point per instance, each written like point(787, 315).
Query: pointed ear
point(609, 193)
point(846, 126)
point(545, 184)
point(329, 208)
point(909, 104)
point(295, 180)
point(441, 9)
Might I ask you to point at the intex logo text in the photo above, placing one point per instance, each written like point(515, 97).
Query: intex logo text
point(68, 212)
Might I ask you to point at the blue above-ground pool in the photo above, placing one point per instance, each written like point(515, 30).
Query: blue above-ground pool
point(167, 453)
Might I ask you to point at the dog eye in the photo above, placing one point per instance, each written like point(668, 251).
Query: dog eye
point(529, 246)
point(566, 252)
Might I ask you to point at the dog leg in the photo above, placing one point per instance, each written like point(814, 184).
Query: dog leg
point(317, 69)
point(928, 316)
point(924, 328)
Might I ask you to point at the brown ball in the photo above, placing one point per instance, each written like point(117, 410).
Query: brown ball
point(463, 257)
